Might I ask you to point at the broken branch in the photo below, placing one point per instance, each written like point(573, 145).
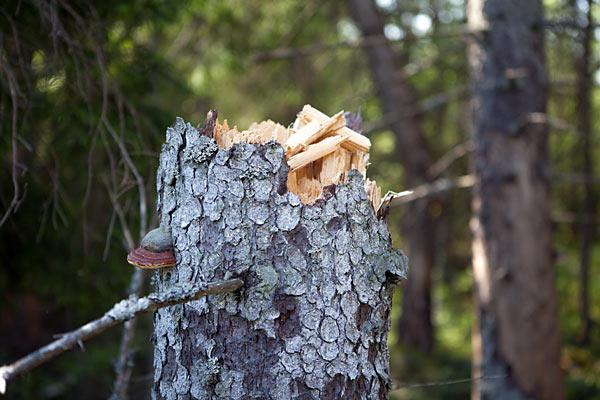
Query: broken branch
point(435, 187)
point(123, 311)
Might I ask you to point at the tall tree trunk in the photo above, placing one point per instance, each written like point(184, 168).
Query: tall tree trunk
point(587, 211)
point(398, 104)
point(516, 335)
point(313, 318)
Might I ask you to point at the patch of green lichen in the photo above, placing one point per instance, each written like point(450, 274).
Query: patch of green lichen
point(268, 278)
point(200, 153)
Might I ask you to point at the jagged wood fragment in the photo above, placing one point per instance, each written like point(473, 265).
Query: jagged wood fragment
point(312, 132)
point(316, 151)
point(355, 141)
point(122, 311)
point(360, 161)
point(257, 133)
point(333, 168)
point(209, 124)
point(374, 193)
point(295, 144)
point(224, 136)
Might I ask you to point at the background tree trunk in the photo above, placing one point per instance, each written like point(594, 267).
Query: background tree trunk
point(399, 106)
point(517, 332)
point(584, 88)
point(313, 318)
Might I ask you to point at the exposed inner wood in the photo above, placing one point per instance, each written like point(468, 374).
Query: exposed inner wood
point(319, 149)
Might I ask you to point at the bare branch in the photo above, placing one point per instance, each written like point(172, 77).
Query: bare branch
point(426, 105)
point(447, 159)
point(568, 217)
point(559, 24)
point(122, 367)
point(136, 173)
point(123, 311)
point(287, 53)
point(365, 41)
point(109, 231)
point(121, 214)
point(13, 87)
point(468, 181)
point(574, 177)
point(537, 118)
point(432, 102)
point(17, 46)
point(86, 196)
point(413, 68)
point(399, 387)
point(435, 187)
point(123, 371)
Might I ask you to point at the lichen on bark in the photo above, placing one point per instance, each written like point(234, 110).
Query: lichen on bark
point(313, 317)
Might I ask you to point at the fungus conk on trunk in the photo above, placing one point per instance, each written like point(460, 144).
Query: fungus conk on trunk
point(313, 317)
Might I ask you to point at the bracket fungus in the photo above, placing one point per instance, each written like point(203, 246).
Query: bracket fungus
point(155, 250)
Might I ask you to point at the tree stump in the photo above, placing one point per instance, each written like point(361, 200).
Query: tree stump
point(313, 317)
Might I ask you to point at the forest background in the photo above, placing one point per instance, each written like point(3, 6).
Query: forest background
point(88, 89)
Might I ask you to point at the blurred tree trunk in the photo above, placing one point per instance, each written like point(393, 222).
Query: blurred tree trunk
point(313, 317)
point(516, 333)
point(587, 210)
point(399, 106)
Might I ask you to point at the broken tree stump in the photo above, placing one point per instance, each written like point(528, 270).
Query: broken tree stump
point(313, 318)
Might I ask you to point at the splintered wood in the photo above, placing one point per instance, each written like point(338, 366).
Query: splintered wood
point(319, 149)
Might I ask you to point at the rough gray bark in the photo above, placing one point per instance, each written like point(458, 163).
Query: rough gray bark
point(418, 227)
point(516, 332)
point(313, 318)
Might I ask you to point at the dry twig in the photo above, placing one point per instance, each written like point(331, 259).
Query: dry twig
point(123, 311)
point(435, 187)
point(13, 87)
point(399, 387)
point(444, 162)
